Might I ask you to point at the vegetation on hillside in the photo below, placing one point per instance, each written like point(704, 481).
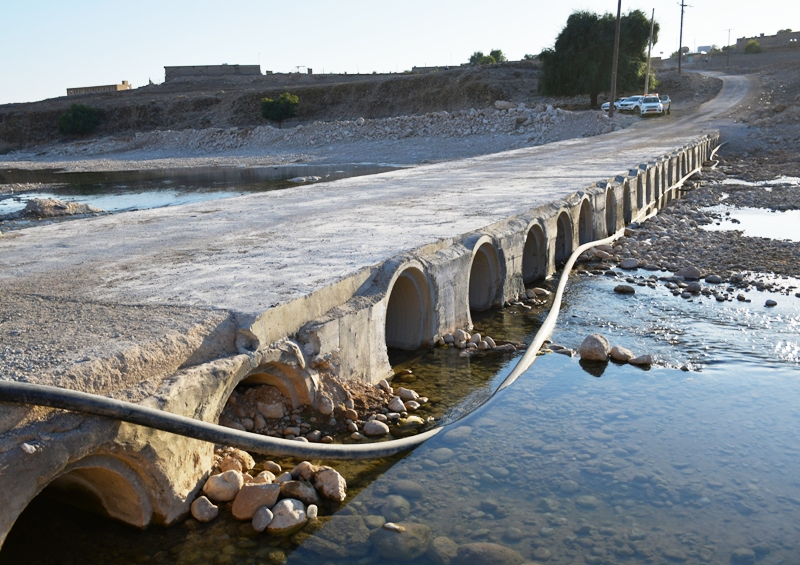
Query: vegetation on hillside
point(494, 56)
point(283, 108)
point(581, 61)
point(752, 46)
point(78, 120)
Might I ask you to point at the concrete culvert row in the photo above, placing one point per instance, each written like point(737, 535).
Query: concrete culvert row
point(409, 311)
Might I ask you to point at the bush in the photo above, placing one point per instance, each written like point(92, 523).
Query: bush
point(283, 108)
point(752, 46)
point(78, 120)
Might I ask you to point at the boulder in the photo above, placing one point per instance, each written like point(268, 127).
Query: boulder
point(204, 510)
point(624, 289)
point(487, 554)
point(375, 428)
point(274, 410)
point(301, 491)
point(253, 496)
point(690, 273)
point(330, 484)
point(304, 470)
point(289, 515)
point(223, 487)
point(629, 264)
point(621, 354)
point(409, 542)
point(594, 348)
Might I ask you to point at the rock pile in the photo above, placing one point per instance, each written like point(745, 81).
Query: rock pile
point(52, 208)
point(280, 505)
point(536, 125)
point(373, 413)
point(596, 348)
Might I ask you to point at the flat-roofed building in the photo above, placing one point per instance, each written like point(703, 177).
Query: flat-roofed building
point(171, 73)
point(95, 89)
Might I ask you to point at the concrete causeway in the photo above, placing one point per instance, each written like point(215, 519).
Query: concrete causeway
point(173, 307)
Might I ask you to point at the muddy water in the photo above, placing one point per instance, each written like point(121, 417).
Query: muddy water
point(572, 464)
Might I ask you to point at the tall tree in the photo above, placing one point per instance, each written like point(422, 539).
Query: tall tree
point(581, 61)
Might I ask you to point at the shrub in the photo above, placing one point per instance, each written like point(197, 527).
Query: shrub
point(752, 46)
point(283, 108)
point(78, 120)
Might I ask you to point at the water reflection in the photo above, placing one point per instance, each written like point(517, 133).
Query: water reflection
point(659, 466)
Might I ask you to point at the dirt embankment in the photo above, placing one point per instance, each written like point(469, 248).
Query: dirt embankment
point(226, 103)
point(234, 101)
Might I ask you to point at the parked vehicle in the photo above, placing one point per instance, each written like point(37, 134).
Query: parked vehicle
point(605, 105)
point(651, 106)
point(665, 102)
point(631, 104)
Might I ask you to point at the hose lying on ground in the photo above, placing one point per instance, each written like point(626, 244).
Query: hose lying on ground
point(97, 405)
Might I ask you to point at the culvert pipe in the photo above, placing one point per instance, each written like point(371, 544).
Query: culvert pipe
point(98, 405)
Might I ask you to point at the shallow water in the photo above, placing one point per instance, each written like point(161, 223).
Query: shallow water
point(636, 466)
point(118, 191)
point(756, 222)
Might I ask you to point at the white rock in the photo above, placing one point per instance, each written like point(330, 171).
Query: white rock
point(406, 394)
point(490, 342)
point(594, 348)
point(459, 336)
point(283, 477)
point(262, 518)
point(449, 338)
point(223, 487)
point(330, 484)
point(411, 405)
point(204, 510)
point(312, 511)
point(288, 516)
point(482, 345)
point(274, 410)
point(476, 338)
point(375, 428)
point(384, 384)
point(396, 405)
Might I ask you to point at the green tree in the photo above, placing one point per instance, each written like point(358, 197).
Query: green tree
point(78, 120)
point(581, 61)
point(752, 46)
point(529, 57)
point(497, 55)
point(283, 108)
point(475, 58)
point(787, 30)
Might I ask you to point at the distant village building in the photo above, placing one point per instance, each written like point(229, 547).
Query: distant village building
point(171, 73)
point(786, 39)
point(95, 89)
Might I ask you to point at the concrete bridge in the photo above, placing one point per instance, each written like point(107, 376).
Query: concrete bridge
point(174, 307)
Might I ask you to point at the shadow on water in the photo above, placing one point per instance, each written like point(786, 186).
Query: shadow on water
point(640, 467)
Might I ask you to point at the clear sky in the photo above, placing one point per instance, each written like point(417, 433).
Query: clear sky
point(47, 45)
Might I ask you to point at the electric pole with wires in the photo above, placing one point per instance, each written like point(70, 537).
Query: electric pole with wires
point(680, 40)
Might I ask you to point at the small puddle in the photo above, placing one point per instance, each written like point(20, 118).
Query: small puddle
point(756, 222)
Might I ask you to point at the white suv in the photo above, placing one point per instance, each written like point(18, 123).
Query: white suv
point(651, 106)
point(631, 103)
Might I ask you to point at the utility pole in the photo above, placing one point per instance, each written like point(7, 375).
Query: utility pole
point(649, 47)
point(614, 63)
point(728, 63)
point(680, 41)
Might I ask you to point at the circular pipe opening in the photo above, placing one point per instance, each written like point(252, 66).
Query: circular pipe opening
point(611, 211)
point(409, 319)
point(627, 207)
point(534, 255)
point(484, 278)
point(564, 238)
point(585, 232)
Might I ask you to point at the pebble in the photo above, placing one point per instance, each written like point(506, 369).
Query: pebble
point(587, 501)
point(375, 428)
point(624, 289)
point(223, 487)
point(253, 496)
point(621, 354)
point(312, 511)
point(770, 302)
point(396, 405)
point(261, 519)
point(289, 515)
point(641, 360)
point(569, 487)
